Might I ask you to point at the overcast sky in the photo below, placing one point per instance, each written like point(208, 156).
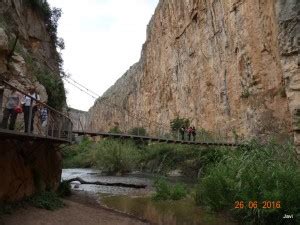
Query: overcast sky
point(103, 38)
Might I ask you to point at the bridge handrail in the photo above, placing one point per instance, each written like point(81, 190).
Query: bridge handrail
point(57, 124)
point(156, 138)
point(38, 101)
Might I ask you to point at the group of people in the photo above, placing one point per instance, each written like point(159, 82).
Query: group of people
point(18, 103)
point(191, 131)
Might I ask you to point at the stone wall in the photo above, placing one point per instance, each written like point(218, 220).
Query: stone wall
point(231, 67)
point(27, 167)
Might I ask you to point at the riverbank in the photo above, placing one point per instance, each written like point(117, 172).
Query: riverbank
point(255, 173)
point(79, 209)
point(140, 203)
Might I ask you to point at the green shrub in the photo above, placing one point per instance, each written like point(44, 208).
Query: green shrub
point(54, 87)
point(191, 160)
point(245, 94)
point(111, 156)
point(50, 16)
point(46, 200)
point(162, 190)
point(256, 173)
point(166, 191)
point(115, 156)
point(177, 123)
point(178, 192)
point(79, 155)
point(160, 158)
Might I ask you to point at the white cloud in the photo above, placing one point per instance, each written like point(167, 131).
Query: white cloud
point(103, 39)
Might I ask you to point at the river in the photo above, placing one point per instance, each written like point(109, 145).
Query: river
point(138, 202)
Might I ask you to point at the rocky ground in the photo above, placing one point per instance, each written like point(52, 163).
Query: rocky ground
point(79, 209)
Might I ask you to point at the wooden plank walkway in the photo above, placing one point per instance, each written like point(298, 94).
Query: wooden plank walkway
point(5, 133)
point(156, 139)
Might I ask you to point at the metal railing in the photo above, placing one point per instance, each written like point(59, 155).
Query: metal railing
point(38, 119)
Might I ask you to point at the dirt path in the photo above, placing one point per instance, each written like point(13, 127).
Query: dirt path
point(74, 213)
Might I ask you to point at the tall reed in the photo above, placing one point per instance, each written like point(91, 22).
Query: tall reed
point(247, 178)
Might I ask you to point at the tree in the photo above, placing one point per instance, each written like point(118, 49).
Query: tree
point(178, 122)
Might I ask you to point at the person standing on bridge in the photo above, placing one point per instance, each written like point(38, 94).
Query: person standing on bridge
point(12, 108)
point(43, 117)
point(194, 133)
point(182, 130)
point(28, 101)
point(189, 131)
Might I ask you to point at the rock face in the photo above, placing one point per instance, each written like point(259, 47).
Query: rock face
point(28, 167)
point(231, 67)
point(79, 118)
point(27, 48)
point(27, 56)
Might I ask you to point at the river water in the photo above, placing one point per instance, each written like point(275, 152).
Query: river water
point(138, 202)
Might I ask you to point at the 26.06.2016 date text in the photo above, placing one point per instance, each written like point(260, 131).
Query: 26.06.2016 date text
point(256, 204)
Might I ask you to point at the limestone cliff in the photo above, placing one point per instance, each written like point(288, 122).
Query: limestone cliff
point(228, 66)
point(79, 118)
point(28, 56)
point(28, 44)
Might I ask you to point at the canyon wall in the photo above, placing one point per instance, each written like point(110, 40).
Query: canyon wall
point(28, 56)
point(79, 118)
point(231, 67)
point(28, 167)
point(28, 49)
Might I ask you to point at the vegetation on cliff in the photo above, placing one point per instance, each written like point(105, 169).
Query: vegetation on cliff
point(51, 17)
point(38, 58)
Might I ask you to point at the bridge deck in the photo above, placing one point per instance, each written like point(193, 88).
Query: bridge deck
point(157, 139)
point(4, 133)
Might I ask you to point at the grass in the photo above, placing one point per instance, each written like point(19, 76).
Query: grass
point(46, 200)
point(116, 157)
point(259, 173)
point(49, 200)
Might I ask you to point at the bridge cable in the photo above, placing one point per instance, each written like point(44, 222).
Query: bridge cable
point(111, 105)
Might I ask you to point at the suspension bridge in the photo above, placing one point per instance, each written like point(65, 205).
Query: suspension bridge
point(57, 126)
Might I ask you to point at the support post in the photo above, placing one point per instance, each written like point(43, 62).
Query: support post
point(70, 130)
point(61, 126)
point(1, 99)
point(48, 121)
point(30, 117)
point(52, 127)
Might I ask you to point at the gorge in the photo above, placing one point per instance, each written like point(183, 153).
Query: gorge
point(231, 67)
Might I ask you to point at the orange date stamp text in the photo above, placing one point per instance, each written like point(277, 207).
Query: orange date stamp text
point(257, 204)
